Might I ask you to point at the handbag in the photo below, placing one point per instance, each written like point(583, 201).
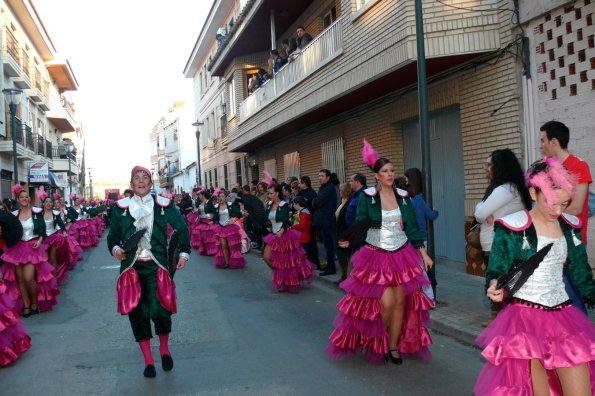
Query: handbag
point(472, 236)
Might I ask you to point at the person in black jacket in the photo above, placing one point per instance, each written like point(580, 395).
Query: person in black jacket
point(309, 194)
point(325, 205)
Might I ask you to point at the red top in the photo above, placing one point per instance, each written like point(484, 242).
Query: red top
point(304, 225)
point(581, 170)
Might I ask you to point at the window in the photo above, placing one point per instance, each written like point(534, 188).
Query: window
point(210, 178)
point(206, 180)
point(239, 172)
point(360, 3)
point(225, 177)
point(216, 178)
point(291, 164)
point(333, 157)
point(329, 17)
point(231, 106)
point(271, 167)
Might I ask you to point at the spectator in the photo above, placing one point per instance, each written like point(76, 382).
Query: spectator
point(295, 188)
point(554, 143)
point(275, 62)
point(505, 194)
point(287, 196)
point(309, 194)
point(246, 189)
point(304, 38)
point(336, 183)
point(285, 49)
point(253, 83)
point(358, 184)
point(302, 221)
point(323, 218)
point(261, 192)
point(343, 254)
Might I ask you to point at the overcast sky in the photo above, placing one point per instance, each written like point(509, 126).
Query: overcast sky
point(128, 57)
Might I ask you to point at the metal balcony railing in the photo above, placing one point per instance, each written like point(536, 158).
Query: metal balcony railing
point(29, 138)
point(61, 153)
point(11, 45)
point(48, 148)
point(323, 49)
point(45, 89)
point(40, 145)
point(66, 105)
point(37, 79)
point(25, 66)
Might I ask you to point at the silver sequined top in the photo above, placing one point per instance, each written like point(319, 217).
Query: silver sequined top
point(223, 215)
point(49, 226)
point(389, 236)
point(201, 208)
point(28, 229)
point(545, 286)
point(276, 225)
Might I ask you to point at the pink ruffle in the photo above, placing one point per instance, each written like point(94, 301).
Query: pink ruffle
point(166, 291)
point(128, 291)
point(234, 241)
point(20, 344)
point(360, 326)
point(208, 239)
point(291, 269)
point(14, 340)
point(564, 338)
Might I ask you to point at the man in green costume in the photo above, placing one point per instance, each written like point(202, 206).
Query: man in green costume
point(145, 290)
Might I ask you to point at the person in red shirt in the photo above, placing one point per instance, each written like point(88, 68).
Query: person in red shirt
point(554, 143)
point(302, 221)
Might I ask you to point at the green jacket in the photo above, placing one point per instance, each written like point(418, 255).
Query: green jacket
point(282, 214)
point(73, 214)
point(507, 250)
point(58, 220)
point(369, 206)
point(233, 210)
point(38, 220)
point(164, 213)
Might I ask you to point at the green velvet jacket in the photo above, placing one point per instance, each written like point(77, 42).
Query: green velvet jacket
point(233, 209)
point(73, 215)
point(369, 205)
point(38, 220)
point(507, 250)
point(58, 220)
point(282, 214)
point(164, 213)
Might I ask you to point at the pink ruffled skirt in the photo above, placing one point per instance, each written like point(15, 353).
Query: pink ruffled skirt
point(234, 241)
point(291, 268)
point(564, 338)
point(81, 231)
point(47, 285)
point(14, 340)
point(360, 326)
point(68, 252)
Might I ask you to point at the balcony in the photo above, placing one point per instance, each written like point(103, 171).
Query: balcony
point(362, 57)
point(41, 146)
point(23, 81)
point(323, 49)
point(62, 117)
point(36, 91)
point(64, 161)
point(10, 53)
point(24, 139)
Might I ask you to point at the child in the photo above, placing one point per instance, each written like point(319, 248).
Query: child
point(302, 221)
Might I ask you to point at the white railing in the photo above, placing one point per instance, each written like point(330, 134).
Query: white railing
point(324, 48)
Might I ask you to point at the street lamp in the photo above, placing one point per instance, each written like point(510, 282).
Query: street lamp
point(13, 96)
point(198, 124)
point(90, 183)
point(69, 148)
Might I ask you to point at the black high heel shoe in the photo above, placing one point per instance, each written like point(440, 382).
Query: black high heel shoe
point(392, 358)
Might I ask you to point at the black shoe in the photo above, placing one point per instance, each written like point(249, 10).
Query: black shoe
point(167, 363)
point(327, 272)
point(150, 371)
point(395, 360)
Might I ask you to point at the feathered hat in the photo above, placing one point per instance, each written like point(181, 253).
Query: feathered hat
point(369, 155)
point(268, 179)
point(57, 196)
point(218, 191)
point(17, 189)
point(41, 194)
point(548, 175)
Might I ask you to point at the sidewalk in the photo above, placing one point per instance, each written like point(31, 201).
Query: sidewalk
point(462, 305)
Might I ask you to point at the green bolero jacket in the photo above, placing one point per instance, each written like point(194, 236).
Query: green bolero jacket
point(73, 214)
point(370, 206)
point(38, 220)
point(282, 214)
point(233, 209)
point(509, 248)
point(58, 220)
point(164, 213)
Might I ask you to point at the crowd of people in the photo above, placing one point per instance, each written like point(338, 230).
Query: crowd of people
point(291, 48)
point(40, 245)
point(539, 340)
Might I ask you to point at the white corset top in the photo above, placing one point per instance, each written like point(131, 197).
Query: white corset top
point(201, 208)
point(389, 236)
point(223, 215)
point(49, 226)
point(28, 229)
point(275, 225)
point(545, 286)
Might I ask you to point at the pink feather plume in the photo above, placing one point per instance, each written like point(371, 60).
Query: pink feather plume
point(57, 196)
point(550, 178)
point(268, 179)
point(72, 196)
point(369, 155)
point(17, 189)
point(41, 194)
point(218, 191)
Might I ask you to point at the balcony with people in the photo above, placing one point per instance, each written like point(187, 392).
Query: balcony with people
point(64, 157)
point(356, 54)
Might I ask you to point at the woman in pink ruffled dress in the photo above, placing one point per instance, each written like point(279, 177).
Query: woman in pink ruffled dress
point(229, 243)
point(385, 311)
point(26, 270)
point(283, 252)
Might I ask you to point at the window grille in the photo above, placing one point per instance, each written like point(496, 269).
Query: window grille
point(333, 157)
point(291, 164)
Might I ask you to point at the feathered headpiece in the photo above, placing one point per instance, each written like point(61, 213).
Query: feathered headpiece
point(268, 179)
point(548, 175)
point(41, 194)
point(72, 196)
point(57, 196)
point(17, 189)
point(218, 191)
point(369, 155)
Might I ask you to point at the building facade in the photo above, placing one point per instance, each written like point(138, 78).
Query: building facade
point(49, 146)
point(357, 79)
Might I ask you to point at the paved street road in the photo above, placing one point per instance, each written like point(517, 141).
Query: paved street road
point(232, 336)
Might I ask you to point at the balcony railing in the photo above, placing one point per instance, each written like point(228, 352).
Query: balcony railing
point(40, 145)
point(26, 67)
point(11, 45)
point(37, 79)
point(62, 153)
point(323, 49)
point(19, 130)
point(48, 148)
point(29, 138)
point(45, 89)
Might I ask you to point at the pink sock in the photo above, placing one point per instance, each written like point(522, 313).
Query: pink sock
point(145, 347)
point(164, 344)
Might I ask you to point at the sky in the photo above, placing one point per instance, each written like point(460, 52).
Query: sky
point(128, 57)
